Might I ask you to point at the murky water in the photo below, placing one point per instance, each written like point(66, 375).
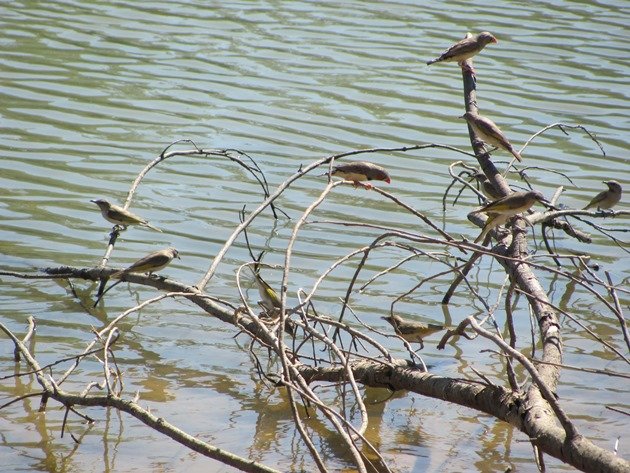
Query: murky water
point(91, 91)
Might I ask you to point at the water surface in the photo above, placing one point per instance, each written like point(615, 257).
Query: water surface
point(91, 92)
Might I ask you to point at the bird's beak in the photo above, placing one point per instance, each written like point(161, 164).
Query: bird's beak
point(494, 40)
point(93, 200)
point(461, 116)
point(388, 180)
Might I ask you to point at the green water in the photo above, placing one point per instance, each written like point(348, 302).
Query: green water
point(91, 92)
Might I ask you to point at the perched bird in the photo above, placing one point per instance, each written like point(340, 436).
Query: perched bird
point(490, 133)
point(486, 187)
point(412, 331)
point(270, 299)
point(119, 216)
point(465, 49)
point(606, 199)
point(499, 211)
point(271, 303)
point(151, 263)
point(360, 171)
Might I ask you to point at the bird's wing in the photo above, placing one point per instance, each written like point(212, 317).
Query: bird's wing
point(408, 330)
point(596, 200)
point(149, 262)
point(494, 206)
point(267, 293)
point(512, 204)
point(124, 216)
point(490, 129)
point(352, 168)
point(463, 47)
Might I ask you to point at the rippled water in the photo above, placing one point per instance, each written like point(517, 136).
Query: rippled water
point(91, 91)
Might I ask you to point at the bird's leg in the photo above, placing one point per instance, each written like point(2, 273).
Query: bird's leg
point(486, 149)
point(113, 235)
point(481, 143)
point(271, 315)
point(265, 311)
point(356, 184)
point(467, 67)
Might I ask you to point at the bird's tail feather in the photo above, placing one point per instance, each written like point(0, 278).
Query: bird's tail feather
point(152, 227)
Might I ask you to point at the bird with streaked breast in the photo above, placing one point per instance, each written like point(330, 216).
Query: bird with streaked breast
point(500, 211)
point(490, 133)
point(465, 49)
point(412, 331)
point(606, 199)
point(358, 171)
point(150, 264)
point(119, 216)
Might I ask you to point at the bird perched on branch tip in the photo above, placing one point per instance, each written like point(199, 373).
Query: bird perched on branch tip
point(358, 171)
point(606, 199)
point(490, 133)
point(465, 49)
point(119, 216)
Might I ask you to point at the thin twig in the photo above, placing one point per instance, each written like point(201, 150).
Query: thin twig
point(619, 311)
point(569, 428)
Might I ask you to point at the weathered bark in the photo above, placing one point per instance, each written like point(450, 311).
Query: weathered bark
point(527, 412)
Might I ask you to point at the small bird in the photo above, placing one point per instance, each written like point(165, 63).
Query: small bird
point(412, 331)
point(465, 49)
point(486, 187)
point(606, 199)
point(270, 298)
point(490, 133)
point(499, 211)
point(151, 263)
point(119, 216)
point(271, 302)
point(357, 171)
